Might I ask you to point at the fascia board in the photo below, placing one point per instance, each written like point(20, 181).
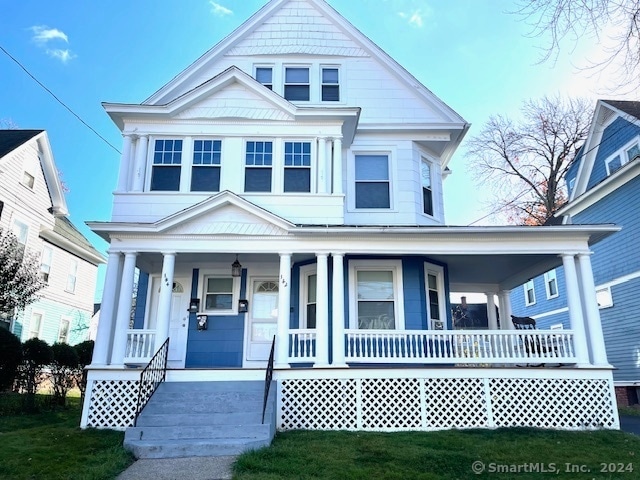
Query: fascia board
point(59, 241)
point(59, 203)
point(586, 165)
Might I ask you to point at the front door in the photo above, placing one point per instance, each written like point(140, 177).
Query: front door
point(262, 318)
point(178, 324)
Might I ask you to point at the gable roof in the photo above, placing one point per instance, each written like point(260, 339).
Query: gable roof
point(66, 236)
point(12, 139)
point(627, 106)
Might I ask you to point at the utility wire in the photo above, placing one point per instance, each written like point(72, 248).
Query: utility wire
point(57, 99)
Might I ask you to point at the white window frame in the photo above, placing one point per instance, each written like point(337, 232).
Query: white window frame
point(395, 266)
point(64, 319)
point(28, 180)
point(623, 154)
point(72, 276)
point(438, 272)
point(46, 260)
point(529, 286)
point(550, 276)
point(235, 293)
point(426, 160)
point(351, 175)
point(339, 84)
point(604, 297)
point(281, 167)
point(191, 150)
point(275, 165)
point(186, 159)
point(31, 330)
point(265, 66)
point(305, 272)
point(16, 225)
point(285, 66)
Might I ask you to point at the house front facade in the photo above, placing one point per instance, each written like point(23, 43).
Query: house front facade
point(603, 184)
point(32, 206)
point(287, 189)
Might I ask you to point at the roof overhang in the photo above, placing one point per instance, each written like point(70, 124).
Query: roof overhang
point(62, 242)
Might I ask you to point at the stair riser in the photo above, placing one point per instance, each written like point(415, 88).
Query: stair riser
point(201, 432)
point(230, 418)
point(193, 450)
point(213, 387)
point(203, 407)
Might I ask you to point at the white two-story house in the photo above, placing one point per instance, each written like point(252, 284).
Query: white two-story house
point(33, 207)
point(289, 184)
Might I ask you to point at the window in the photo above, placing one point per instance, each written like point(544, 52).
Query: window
point(258, 161)
point(205, 172)
point(372, 181)
point(626, 154)
point(376, 286)
point(529, 293)
point(264, 75)
point(427, 192)
point(21, 231)
point(72, 277)
point(435, 296)
point(308, 296)
point(330, 85)
point(167, 158)
point(45, 263)
point(35, 324)
point(604, 297)
point(632, 152)
point(219, 294)
point(297, 167)
point(614, 163)
point(296, 84)
point(63, 333)
point(551, 283)
point(28, 180)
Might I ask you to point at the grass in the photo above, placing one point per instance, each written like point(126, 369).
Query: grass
point(50, 445)
point(444, 455)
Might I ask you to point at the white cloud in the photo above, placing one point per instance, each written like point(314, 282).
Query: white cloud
point(43, 34)
point(219, 10)
point(415, 18)
point(63, 55)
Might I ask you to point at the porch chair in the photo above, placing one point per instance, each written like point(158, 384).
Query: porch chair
point(531, 345)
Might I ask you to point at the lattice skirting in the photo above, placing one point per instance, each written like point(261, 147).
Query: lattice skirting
point(388, 404)
point(112, 403)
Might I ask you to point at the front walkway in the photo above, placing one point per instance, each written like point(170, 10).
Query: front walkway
point(193, 468)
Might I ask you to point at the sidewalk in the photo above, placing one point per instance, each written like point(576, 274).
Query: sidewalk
point(193, 468)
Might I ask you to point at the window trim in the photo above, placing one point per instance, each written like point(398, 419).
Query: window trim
point(549, 276)
point(351, 174)
point(193, 165)
point(308, 67)
point(68, 319)
point(151, 149)
point(622, 153)
point(322, 83)
point(72, 272)
point(235, 293)
point(264, 66)
point(14, 224)
point(47, 248)
point(438, 271)
point(311, 167)
point(305, 272)
point(36, 311)
point(526, 296)
point(426, 160)
point(395, 266)
point(272, 167)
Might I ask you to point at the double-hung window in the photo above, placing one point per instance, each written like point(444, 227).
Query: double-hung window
point(297, 167)
point(220, 294)
point(551, 283)
point(330, 84)
point(205, 172)
point(35, 324)
point(21, 231)
point(296, 84)
point(309, 282)
point(264, 75)
point(372, 181)
point(45, 262)
point(529, 293)
point(258, 163)
point(427, 189)
point(167, 160)
point(377, 289)
point(434, 283)
point(63, 333)
point(72, 277)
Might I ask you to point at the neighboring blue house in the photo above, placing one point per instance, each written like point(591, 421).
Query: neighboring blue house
point(604, 187)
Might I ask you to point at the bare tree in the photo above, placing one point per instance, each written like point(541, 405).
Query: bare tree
point(615, 21)
point(524, 162)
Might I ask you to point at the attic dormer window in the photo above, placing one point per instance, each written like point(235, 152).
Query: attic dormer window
point(296, 84)
point(28, 180)
point(167, 158)
point(264, 75)
point(622, 157)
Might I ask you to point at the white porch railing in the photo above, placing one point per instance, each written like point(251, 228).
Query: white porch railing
point(140, 346)
point(302, 345)
point(462, 346)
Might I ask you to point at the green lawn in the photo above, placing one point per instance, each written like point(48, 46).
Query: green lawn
point(50, 445)
point(451, 454)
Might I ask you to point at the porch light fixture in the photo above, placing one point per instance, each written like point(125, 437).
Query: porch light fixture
point(194, 305)
point(236, 268)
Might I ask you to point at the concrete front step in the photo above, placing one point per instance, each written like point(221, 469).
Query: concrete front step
point(171, 432)
point(194, 447)
point(209, 418)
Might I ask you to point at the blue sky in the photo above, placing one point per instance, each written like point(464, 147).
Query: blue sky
point(477, 58)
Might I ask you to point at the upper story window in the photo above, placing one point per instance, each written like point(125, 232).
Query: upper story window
point(72, 277)
point(167, 160)
point(28, 180)
point(330, 84)
point(373, 188)
point(427, 190)
point(264, 75)
point(45, 263)
point(258, 165)
point(551, 283)
point(205, 172)
point(297, 167)
point(622, 157)
point(296, 84)
point(21, 231)
point(529, 293)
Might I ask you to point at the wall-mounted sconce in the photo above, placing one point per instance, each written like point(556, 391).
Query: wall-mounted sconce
point(243, 306)
point(202, 322)
point(236, 268)
point(194, 305)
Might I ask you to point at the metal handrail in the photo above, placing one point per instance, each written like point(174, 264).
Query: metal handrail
point(151, 377)
point(267, 378)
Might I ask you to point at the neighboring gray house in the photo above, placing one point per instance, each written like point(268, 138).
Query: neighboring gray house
point(604, 187)
point(32, 205)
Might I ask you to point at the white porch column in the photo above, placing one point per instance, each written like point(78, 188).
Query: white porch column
point(125, 167)
point(123, 315)
point(592, 312)
point(322, 165)
point(164, 300)
point(284, 306)
point(337, 340)
point(107, 310)
point(575, 309)
point(504, 299)
point(337, 165)
point(322, 311)
point(491, 311)
point(140, 163)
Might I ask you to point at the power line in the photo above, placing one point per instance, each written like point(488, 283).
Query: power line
point(57, 99)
